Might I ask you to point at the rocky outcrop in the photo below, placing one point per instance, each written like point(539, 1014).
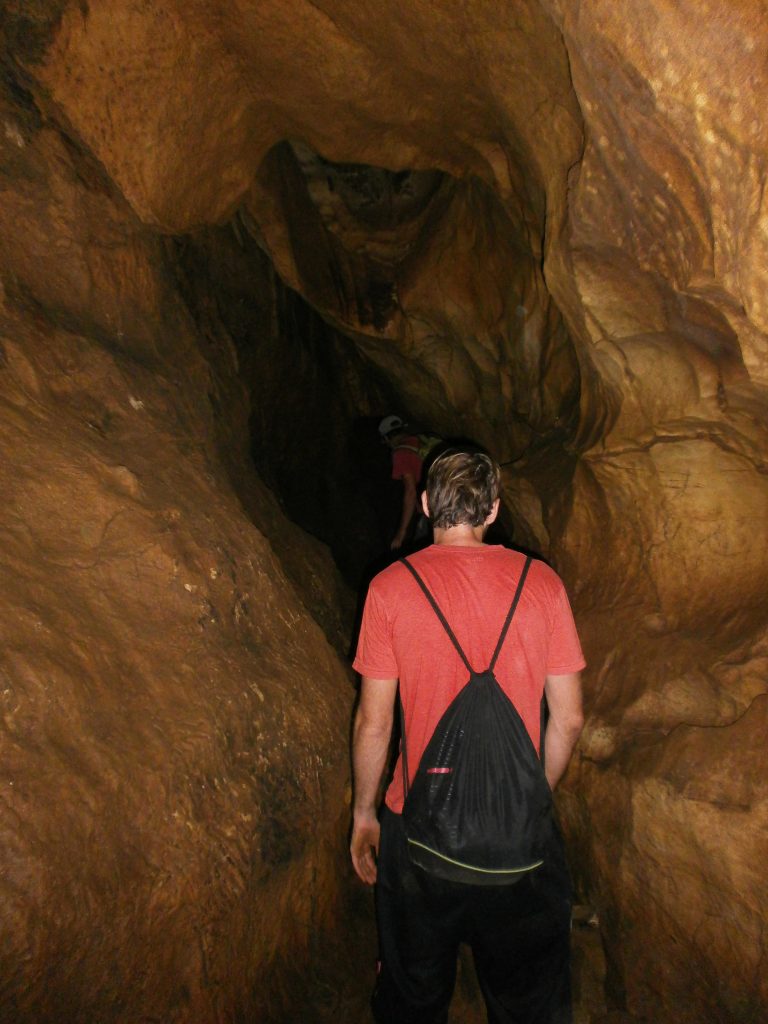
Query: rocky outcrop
point(544, 225)
point(174, 722)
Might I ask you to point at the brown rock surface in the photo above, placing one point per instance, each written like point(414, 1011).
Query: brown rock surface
point(575, 276)
point(167, 853)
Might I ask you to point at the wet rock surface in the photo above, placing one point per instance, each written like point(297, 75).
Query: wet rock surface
point(538, 224)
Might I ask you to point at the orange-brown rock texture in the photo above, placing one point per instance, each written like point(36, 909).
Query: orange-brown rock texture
point(232, 232)
point(174, 721)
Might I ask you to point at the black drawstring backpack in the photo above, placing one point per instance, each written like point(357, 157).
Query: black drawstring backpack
point(480, 808)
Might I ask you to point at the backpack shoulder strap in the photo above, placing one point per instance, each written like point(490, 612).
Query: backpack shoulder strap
point(511, 612)
point(457, 645)
point(438, 613)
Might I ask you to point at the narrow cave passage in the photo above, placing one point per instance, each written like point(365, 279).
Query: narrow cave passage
point(318, 388)
point(231, 237)
point(404, 312)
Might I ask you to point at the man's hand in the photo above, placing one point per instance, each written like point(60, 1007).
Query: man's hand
point(365, 847)
point(397, 542)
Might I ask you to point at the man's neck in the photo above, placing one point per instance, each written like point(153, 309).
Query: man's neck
point(462, 536)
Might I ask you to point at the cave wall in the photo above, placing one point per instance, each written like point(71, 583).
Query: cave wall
point(582, 289)
point(668, 511)
point(166, 852)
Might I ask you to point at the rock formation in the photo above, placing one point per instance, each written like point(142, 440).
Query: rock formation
point(539, 224)
point(174, 720)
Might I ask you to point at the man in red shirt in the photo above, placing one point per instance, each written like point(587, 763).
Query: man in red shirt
point(519, 933)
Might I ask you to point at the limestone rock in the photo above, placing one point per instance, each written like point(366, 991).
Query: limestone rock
point(174, 723)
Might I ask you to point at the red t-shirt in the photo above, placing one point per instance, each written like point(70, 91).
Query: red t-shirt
point(405, 461)
point(401, 637)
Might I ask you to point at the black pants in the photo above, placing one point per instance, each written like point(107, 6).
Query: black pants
point(519, 935)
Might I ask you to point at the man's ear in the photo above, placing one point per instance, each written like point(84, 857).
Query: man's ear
point(424, 504)
point(493, 513)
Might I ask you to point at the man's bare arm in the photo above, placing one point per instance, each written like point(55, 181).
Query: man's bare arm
point(370, 744)
point(566, 719)
point(410, 496)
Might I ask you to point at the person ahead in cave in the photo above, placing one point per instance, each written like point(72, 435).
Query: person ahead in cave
point(407, 465)
point(409, 451)
point(519, 931)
